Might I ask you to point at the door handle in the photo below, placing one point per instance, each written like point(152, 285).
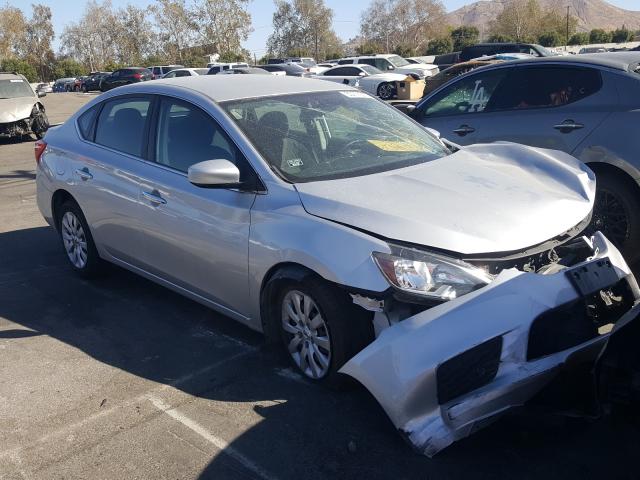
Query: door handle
point(463, 130)
point(568, 126)
point(84, 173)
point(154, 198)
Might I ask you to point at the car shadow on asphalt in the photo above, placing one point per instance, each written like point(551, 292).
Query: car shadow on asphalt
point(306, 431)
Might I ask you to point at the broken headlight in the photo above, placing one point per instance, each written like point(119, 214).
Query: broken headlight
point(429, 274)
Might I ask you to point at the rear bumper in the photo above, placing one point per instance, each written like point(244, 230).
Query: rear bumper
point(448, 371)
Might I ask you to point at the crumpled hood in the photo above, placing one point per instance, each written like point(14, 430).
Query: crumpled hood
point(14, 109)
point(484, 198)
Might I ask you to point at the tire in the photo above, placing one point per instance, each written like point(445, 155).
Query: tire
point(617, 213)
point(386, 91)
point(39, 123)
point(334, 331)
point(84, 89)
point(76, 89)
point(74, 232)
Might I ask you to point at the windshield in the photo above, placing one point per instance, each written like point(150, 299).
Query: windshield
point(201, 71)
point(546, 52)
point(371, 70)
point(14, 88)
point(326, 135)
point(398, 61)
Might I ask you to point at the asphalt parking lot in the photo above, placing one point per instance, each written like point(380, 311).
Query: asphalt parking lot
point(119, 378)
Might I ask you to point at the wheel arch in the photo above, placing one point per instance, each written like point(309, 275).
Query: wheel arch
point(58, 198)
point(623, 175)
point(276, 276)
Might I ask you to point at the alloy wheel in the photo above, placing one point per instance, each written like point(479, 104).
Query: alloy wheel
point(74, 240)
point(385, 91)
point(611, 217)
point(306, 334)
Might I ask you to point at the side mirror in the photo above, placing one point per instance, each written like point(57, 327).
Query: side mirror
point(41, 94)
point(361, 74)
point(214, 174)
point(433, 132)
point(390, 67)
point(406, 108)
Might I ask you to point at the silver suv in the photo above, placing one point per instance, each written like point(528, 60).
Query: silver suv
point(21, 112)
point(587, 106)
point(324, 217)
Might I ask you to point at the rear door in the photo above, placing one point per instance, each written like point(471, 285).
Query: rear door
point(195, 238)
point(105, 176)
point(553, 106)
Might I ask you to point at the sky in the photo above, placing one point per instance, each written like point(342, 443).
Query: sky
point(346, 20)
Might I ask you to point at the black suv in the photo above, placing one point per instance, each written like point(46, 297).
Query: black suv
point(92, 81)
point(483, 49)
point(125, 76)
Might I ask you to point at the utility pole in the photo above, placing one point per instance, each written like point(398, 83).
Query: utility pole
point(567, 42)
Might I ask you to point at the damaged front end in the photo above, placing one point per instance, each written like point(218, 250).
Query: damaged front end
point(449, 370)
point(15, 129)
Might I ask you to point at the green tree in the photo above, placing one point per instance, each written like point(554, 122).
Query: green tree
point(222, 25)
point(439, 46)
point(68, 67)
point(39, 35)
point(499, 38)
point(598, 35)
point(403, 49)
point(549, 39)
point(580, 38)
point(20, 66)
point(367, 48)
point(13, 30)
point(621, 35)
point(464, 36)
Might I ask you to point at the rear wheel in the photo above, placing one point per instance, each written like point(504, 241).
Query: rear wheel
point(386, 91)
point(321, 329)
point(616, 214)
point(84, 89)
point(77, 240)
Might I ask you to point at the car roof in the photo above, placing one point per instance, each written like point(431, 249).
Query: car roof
point(221, 88)
point(615, 60)
point(9, 75)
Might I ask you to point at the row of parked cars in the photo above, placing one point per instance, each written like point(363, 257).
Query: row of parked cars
point(453, 274)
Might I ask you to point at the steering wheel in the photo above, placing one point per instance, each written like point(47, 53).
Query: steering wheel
point(356, 145)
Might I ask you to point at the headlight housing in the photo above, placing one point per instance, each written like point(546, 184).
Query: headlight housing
point(429, 274)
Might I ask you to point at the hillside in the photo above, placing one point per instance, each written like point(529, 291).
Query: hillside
point(590, 13)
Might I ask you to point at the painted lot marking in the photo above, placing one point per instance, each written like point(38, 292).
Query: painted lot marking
point(217, 442)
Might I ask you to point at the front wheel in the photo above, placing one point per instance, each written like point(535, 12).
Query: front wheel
point(39, 123)
point(321, 329)
point(616, 214)
point(386, 91)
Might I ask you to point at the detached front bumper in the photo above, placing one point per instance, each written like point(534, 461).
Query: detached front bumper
point(448, 371)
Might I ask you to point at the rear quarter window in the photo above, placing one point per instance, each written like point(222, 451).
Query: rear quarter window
point(85, 123)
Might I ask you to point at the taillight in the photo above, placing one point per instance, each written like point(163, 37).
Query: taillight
point(137, 76)
point(38, 149)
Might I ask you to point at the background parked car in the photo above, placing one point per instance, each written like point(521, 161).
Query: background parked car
point(245, 71)
point(592, 50)
point(159, 71)
point(92, 81)
point(60, 85)
point(221, 67)
point(21, 111)
point(186, 72)
point(445, 61)
point(366, 77)
point(44, 88)
point(567, 103)
point(125, 76)
point(393, 63)
point(484, 49)
point(290, 69)
point(277, 72)
point(435, 82)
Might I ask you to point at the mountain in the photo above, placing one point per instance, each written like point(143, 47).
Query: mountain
point(590, 14)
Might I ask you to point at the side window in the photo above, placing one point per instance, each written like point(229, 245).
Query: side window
point(352, 71)
point(85, 122)
point(121, 124)
point(471, 94)
point(368, 61)
point(345, 62)
point(171, 75)
point(187, 135)
point(181, 73)
point(545, 87)
point(116, 74)
point(156, 71)
point(338, 72)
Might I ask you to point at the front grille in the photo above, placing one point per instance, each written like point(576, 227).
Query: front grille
point(579, 321)
point(469, 370)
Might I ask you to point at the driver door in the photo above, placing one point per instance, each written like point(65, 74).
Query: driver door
point(456, 111)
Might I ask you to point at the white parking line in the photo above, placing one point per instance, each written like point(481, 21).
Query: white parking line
point(217, 442)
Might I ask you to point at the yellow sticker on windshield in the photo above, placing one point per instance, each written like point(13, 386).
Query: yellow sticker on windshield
point(397, 146)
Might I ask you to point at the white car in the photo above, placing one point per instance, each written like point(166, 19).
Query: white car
point(186, 72)
point(365, 77)
point(215, 68)
point(393, 63)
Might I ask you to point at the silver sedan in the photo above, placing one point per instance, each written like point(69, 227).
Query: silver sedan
point(347, 233)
